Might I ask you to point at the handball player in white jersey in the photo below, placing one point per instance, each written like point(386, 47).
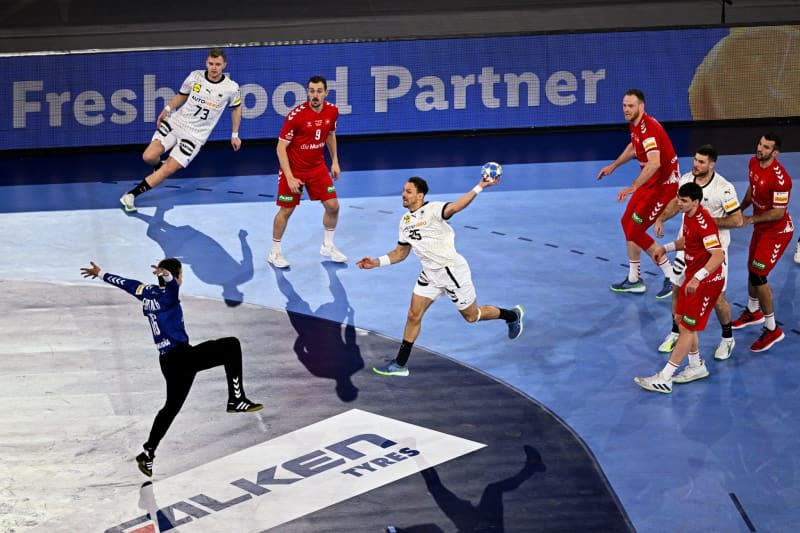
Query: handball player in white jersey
point(721, 201)
point(424, 229)
point(197, 108)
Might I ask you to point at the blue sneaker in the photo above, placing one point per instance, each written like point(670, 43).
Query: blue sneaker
point(628, 286)
point(666, 290)
point(515, 327)
point(392, 369)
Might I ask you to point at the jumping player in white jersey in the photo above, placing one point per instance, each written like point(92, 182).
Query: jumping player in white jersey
point(424, 229)
point(198, 106)
point(721, 201)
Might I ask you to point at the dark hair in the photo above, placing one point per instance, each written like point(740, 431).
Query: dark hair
point(708, 151)
point(637, 93)
point(419, 183)
point(691, 190)
point(171, 265)
point(318, 79)
point(774, 137)
point(217, 52)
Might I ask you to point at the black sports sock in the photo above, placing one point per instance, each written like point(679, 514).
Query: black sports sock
point(157, 165)
point(675, 327)
point(404, 353)
point(507, 314)
point(727, 331)
point(139, 189)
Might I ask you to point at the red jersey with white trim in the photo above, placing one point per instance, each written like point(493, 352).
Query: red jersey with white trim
point(770, 188)
point(306, 132)
point(650, 135)
point(700, 234)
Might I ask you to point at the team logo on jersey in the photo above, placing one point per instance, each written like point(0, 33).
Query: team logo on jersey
point(758, 265)
point(406, 218)
point(196, 87)
point(140, 289)
point(711, 241)
point(778, 174)
point(636, 218)
point(780, 197)
point(318, 123)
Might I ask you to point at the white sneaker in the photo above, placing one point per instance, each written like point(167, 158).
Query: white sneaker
point(127, 202)
point(655, 383)
point(691, 373)
point(334, 253)
point(277, 260)
point(669, 343)
point(725, 349)
point(797, 252)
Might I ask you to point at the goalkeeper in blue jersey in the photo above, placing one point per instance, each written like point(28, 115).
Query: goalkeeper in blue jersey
point(179, 360)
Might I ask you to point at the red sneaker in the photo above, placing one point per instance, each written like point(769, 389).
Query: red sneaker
point(748, 318)
point(767, 339)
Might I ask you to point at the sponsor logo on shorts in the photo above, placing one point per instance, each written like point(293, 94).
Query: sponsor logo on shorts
point(758, 264)
point(689, 320)
point(636, 218)
point(285, 198)
point(331, 188)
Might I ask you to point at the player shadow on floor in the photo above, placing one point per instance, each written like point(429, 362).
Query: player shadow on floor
point(488, 515)
point(326, 347)
point(209, 261)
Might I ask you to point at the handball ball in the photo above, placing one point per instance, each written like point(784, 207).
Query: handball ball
point(491, 171)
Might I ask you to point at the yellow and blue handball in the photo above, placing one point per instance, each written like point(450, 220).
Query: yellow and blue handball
point(491, 171)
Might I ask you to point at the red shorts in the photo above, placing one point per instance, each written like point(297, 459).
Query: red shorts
point(317, 183)
point(643, 209)
point(694, 309)
point(765, 250)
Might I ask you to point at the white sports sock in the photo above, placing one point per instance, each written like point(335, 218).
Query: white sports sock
point(666, 268)
point(769, 321)
point(633, 271)
point(695, 359)
point(276, 246)
point(752, 304)
point(669, 370)
point(328, 241)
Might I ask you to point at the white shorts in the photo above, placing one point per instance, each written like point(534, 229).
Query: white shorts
point(182, 146)
point(455, 281)
point(680, 279)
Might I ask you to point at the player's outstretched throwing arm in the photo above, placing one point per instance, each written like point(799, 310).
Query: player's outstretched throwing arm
point(134, 287)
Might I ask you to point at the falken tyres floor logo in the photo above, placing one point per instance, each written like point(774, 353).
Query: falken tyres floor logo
point(294, 475)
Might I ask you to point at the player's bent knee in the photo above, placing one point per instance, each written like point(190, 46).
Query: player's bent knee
point(757, 280)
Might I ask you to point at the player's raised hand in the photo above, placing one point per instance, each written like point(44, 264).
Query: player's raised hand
point(162, 272)
point(92, 271)
point(367, 262)
point(488, 182)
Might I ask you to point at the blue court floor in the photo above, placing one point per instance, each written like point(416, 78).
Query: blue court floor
point(716, 455)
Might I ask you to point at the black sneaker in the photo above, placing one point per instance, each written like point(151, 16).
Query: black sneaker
point(145, 462)
point(244, 406)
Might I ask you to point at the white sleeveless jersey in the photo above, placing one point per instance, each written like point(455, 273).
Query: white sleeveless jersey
point(719, 197)
point(206, 103)
point(430, 236)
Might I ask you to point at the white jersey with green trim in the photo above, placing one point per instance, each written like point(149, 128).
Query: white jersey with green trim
point(206, 103)
point(719, 197)
point(430, 236)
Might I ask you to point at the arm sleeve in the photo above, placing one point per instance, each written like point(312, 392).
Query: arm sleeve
point(133, 287)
